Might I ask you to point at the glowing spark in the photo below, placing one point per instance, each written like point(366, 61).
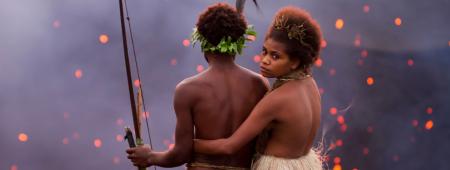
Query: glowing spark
point(398, 21)
point(410, 62)
point(415, 123)
point(321, 91)
point(137, 82)
point(429, 125)
point(116, 160)
point(56, 24)
point(337, 167)
point(364, 53)
point(339, 142)
point(366, 8)
point(343, 128)
point(366, 151)
point(370, 129)
point(370, 81)
point(395, 158)
point(23, 137)
point(98, 143)
point(323, 43)
point(14, 167)
point(145, 115)
point(66, 115)
point(171, 146)
point(186, 42)
point(429, 110)
point(449, 43)
point(341, 119)
point(339, 24)
point(119, 121)
point(360, 62)
point(119, 138)
point(65, 141)
point(337, 160)
point(103, 38)
point(78, 73)
point(257, 58)
point(333, 111)
point(173, 62)
point(200, 68)
point(357, 41)
point(318, 63)
point(332, 72)
point(76, 136)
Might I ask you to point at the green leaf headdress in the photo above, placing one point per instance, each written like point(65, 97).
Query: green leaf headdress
point(226, 44)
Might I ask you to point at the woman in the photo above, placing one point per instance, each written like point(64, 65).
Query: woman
point(289, 116)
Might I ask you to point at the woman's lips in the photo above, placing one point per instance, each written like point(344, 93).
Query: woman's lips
point(264, 70)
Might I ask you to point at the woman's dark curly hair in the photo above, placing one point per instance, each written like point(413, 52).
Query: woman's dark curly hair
point(307, 49)
point(221, 20)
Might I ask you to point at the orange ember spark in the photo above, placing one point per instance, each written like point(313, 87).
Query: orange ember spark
point(332, 72)
point(321, 91)
point(341, 119)
point(116, 160)
point(360, 62)
point(186, 42)
point(366, 151)
point(339, 24)
point(415, 123)
point(76, 136)
point(398, 21)
point(410, 62)
point(333, 111)
point(14, 167)
point(339, 142)
point(366, 8)
point(257, 58)
point(145, 115)
point(56, 24)
point(98, 143)
point(66, 115)
point(337, 167)
point(429, 125)
point(370, 129)
point(22, 137)
point(173, 62)
point(103, 38)
point(200, 68)
point(370, 81)
point(337, 160)
point(78, 73)
point(119, 138)
point(323, 43)
point(318, 62)
point(171, 146)
point(357, 41)
point(364, 53)
point(343, 128)
point(137, 83)
point(65, 141)
point(430, 110)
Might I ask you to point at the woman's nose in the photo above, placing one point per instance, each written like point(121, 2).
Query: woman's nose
point(265, 60)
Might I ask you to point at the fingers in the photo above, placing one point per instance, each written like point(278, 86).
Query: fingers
point(131, 150)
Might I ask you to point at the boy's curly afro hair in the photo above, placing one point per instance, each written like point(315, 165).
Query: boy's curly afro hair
point(221, 20)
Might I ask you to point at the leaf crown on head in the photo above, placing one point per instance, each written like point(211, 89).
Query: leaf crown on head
point(226, 45)
point(294, 31)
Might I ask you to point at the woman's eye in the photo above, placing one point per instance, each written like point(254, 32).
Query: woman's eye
point(264, 52)
point(275, 57)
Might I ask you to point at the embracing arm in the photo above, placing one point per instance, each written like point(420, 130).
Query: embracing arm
point(181, 152)
point(259, 118)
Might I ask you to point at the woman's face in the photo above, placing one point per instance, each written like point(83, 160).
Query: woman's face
point(275, 61)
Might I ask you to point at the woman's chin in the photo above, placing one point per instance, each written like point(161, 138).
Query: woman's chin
point(266, 75)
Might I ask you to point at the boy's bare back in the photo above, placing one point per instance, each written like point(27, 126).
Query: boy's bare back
point(223, 98)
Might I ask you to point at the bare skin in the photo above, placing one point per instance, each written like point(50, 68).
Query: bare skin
point(292, 112)
point(214, 103)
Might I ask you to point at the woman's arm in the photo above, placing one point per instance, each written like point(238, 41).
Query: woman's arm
point(263, 113)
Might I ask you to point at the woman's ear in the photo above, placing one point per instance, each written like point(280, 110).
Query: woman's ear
point(295, 63)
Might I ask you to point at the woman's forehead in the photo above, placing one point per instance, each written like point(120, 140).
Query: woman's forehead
point(273, 45)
